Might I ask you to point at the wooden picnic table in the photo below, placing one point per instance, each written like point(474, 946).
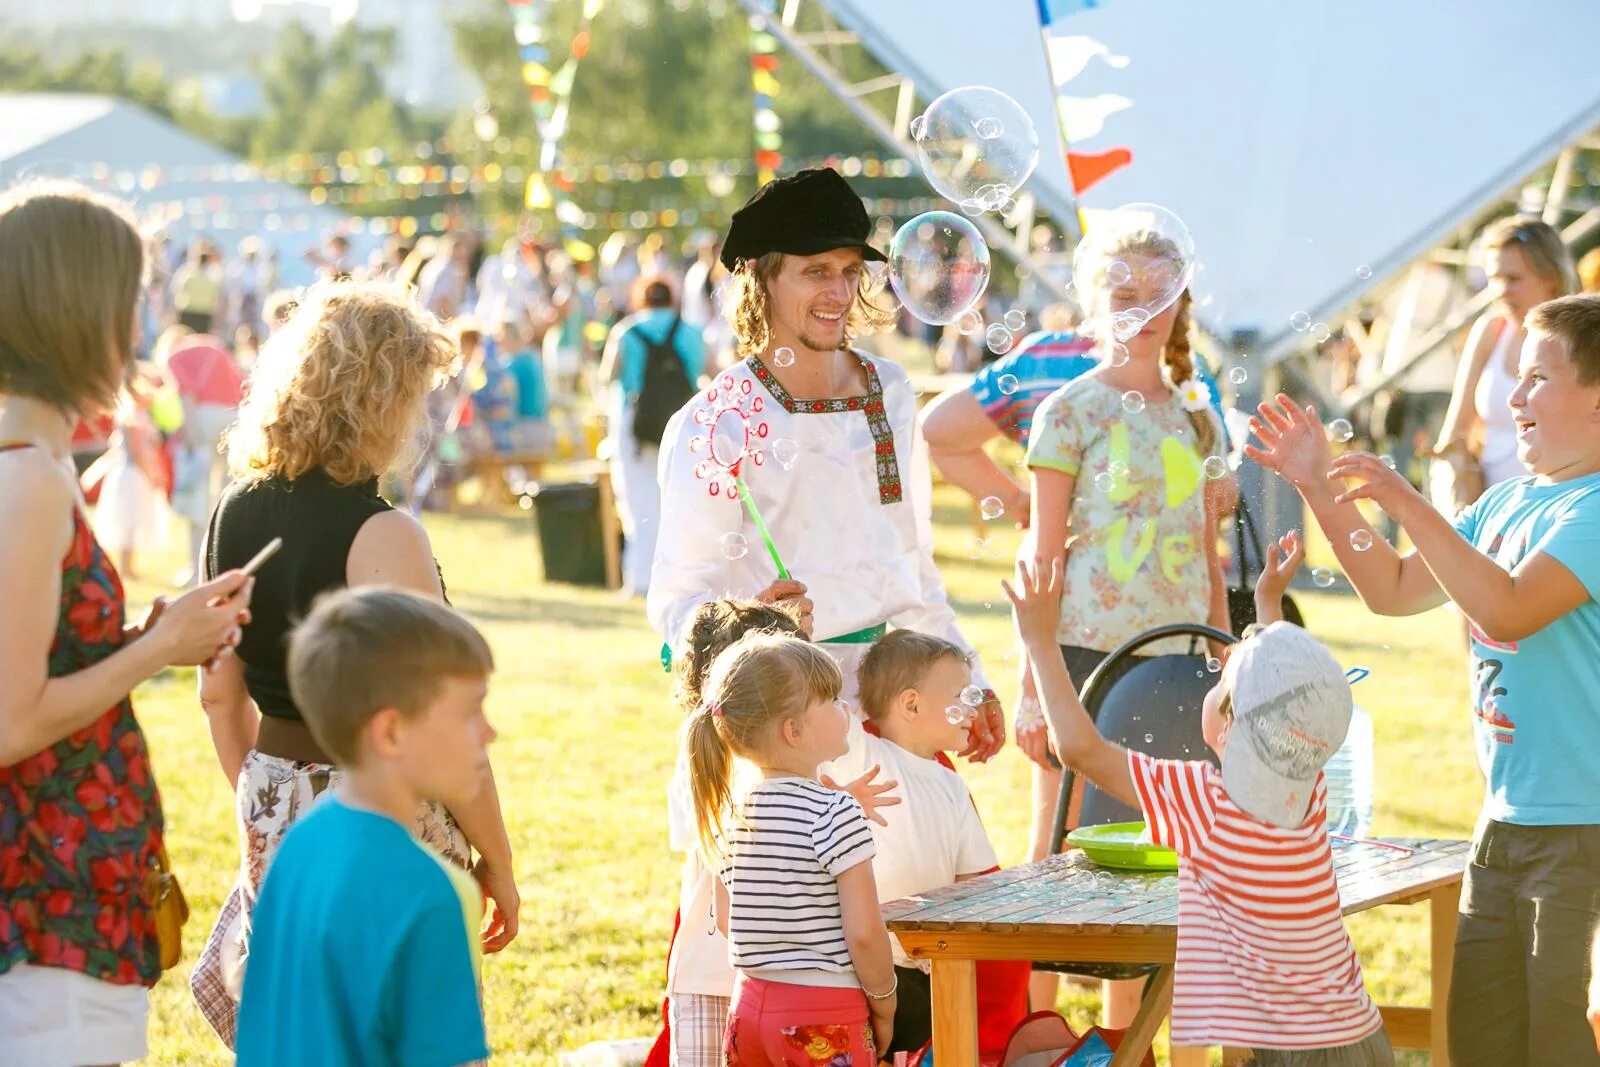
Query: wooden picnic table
point(1068, 909)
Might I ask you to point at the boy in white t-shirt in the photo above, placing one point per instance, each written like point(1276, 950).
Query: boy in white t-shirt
point(913, 696)
point(1263, 958)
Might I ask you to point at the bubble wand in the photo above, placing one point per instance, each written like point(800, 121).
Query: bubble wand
point(732, 434)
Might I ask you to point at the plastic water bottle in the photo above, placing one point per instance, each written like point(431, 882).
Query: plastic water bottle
point(1349, 775)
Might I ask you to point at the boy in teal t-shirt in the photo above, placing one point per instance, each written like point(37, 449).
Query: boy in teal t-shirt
point(365, 942)
point(1523, 565)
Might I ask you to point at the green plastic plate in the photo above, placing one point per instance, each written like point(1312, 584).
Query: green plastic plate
point(1117, 845)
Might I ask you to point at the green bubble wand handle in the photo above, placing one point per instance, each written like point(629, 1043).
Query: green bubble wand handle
point(761, 526)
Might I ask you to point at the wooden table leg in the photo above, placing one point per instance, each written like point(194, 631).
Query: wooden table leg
point(1153, 1008)
point(955, 1012)
point(1443, 904)
point(1190, 1056)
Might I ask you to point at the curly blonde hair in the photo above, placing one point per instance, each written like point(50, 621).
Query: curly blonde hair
point(340, 386)
point(749, 311)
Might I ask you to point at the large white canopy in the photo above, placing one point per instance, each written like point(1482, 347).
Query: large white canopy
point(1300, 142)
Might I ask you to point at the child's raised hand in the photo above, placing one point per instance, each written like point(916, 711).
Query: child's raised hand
point(1284, 557)
point(871, 797)
point(1378, 482)
point(1293, 442)
point(1035, 602)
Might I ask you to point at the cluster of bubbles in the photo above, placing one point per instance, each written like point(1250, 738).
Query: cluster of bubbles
point(1301, 322)
point(961, 713)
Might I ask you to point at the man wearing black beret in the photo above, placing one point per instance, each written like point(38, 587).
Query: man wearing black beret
point(835, 465)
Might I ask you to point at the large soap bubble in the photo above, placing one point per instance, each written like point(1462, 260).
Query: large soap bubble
point(1131, 266)
point(939, 266)
point(977, 146)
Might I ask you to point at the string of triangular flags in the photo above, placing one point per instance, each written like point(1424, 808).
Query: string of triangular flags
point(764, 87)
point(550, 95)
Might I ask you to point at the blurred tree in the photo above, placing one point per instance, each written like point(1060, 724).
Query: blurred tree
point(26, 69)
point(663, 79)
point(327, 97)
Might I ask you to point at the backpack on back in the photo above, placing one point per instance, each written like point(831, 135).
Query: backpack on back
point(666, 387)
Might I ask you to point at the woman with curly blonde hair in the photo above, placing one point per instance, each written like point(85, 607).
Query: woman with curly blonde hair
point(826, 443)
point(334, 400)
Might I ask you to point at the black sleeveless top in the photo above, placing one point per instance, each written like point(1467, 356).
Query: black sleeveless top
point(318, 521)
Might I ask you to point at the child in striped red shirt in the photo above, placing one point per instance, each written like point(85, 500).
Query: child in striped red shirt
point(1263, 958)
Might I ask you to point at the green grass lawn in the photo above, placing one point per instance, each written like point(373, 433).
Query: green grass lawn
point(586, 747)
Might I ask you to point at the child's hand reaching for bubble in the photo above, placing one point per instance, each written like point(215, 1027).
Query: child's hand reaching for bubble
point(1293, 443)
point(1284, 557)
point(1035, 602)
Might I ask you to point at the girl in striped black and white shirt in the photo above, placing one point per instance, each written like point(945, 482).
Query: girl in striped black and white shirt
point(796, 897)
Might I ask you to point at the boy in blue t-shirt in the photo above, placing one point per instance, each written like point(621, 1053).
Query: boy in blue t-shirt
point(365, 943)
point(1523, 565)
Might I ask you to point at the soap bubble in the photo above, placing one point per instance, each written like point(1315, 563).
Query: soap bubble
point(1322, 576)
point(1238, 375)
point(1133, 401)
point(1360, 540)
point(734, 546)
point(939, 266)
point(1387, 460)
point(1104, 482)
point(1320, 332)
point(1363, 272)
point(1300, 321)
point(783, 357)
point(1340, 431)
point(998, 338)
point(1117, 468)
point(1117, 355)
point(1132, 265)
point(785, 452)
point(1008, 384)
point(969, 323)
point(1213, 664)
point(1215, 467)
point(976, 143)
point(1149, 739)
point(956, 715)
point(1015, 319)
point(991, 507)
point(971, 208)
point(972, 696)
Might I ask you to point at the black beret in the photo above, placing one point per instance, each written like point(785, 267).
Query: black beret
point(804, 214)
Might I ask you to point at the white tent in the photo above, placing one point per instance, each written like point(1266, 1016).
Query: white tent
point(119, 148)
point(1313, 149)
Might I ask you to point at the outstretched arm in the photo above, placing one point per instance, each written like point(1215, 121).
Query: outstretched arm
point(1035, 603)
point(1294, 444)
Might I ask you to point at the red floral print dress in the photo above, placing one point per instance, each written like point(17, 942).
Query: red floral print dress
point(80, 821)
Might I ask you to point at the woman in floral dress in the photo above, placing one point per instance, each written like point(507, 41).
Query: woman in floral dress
point(80, 816)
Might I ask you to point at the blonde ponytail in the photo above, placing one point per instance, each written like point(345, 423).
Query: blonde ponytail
point(710, 781)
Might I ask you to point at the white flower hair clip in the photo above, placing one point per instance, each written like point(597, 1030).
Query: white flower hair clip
point(1194, 394)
